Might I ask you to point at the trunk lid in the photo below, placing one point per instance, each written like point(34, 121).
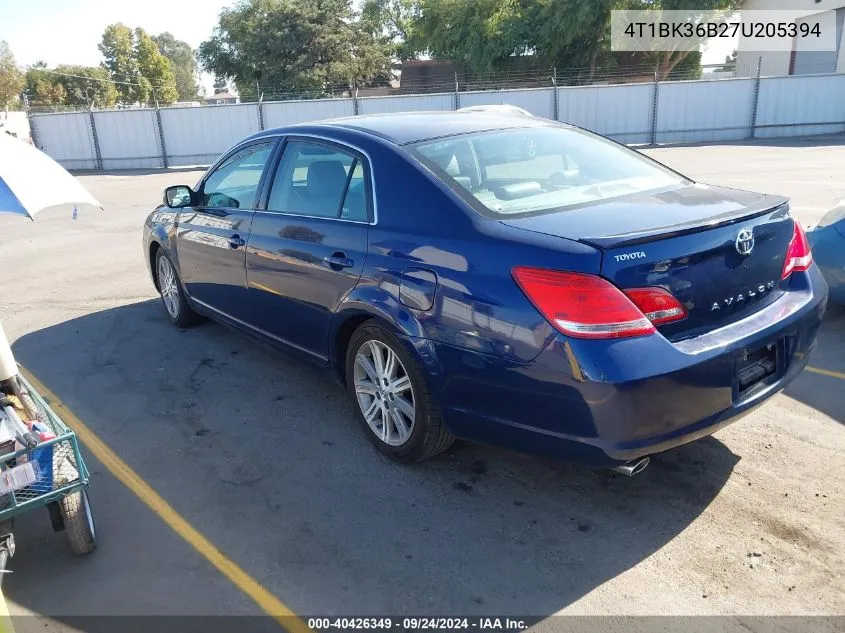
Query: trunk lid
point(692, 241)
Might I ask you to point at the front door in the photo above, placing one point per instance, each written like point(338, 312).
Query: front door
point(307, 248)
point(211, 237)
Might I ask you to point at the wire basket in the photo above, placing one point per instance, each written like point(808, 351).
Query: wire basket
point(35, 477)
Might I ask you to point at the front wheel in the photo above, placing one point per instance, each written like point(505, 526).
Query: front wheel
point(179, 312)
point(391, 398)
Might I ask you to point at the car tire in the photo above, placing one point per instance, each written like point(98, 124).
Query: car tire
point(426, 435)
point(176, 306)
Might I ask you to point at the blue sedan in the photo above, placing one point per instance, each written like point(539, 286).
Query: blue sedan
point(499, 278)
point(827, 239)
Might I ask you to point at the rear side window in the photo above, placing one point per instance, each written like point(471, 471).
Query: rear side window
point(234, 182)
point(319, 181)
point(355, 203)
point(525, 171)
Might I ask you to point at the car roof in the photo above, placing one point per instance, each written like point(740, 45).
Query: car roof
point(410, 127)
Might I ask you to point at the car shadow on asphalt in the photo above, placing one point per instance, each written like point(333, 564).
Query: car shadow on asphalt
point(263, 455)
point(822, 392)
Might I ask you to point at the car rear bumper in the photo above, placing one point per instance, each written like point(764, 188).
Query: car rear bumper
point(606, 402)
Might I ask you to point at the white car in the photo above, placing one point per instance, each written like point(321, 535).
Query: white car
point(502, 108)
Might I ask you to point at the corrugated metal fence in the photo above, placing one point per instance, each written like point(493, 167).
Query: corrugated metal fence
point(649, 113)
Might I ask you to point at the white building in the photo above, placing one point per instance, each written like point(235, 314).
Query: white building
point(796, 61)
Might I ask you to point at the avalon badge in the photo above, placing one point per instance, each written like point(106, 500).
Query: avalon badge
point(742, 296)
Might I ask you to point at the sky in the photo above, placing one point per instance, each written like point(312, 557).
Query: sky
point(716, 50)
point(68, 31)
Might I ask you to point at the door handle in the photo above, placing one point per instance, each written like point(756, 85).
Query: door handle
point(338, 260)
point(235, 241)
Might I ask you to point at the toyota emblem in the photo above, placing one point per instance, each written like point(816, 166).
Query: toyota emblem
point(744, 242)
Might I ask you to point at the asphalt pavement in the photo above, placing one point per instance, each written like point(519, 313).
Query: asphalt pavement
point(261, 455)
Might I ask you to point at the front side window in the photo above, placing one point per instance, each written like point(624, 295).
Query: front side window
point(319, 181)
point(234, 183)
point(527, 171)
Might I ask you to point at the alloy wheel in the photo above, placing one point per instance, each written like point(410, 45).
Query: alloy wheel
point(168, 287)
point(384, 393)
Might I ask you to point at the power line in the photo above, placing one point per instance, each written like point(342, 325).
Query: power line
point(100, 79)
point(465, 78)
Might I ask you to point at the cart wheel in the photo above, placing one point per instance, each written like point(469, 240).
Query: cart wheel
point(79, 522)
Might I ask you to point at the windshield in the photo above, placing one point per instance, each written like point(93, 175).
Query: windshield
point(536, 170)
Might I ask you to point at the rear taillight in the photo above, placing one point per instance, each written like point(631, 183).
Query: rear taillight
point(657, 305)
point(588, 306)
point(798, 255)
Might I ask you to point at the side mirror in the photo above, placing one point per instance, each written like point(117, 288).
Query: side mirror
point(178, 196)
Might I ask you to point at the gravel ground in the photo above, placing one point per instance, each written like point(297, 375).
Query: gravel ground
point(262, 455)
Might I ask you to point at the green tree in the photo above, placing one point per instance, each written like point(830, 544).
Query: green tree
point(11, 78)
point(479, 34)
point(572, 35)
point(293, 46)
point(183, 63)
point(154, 69)
point(118, 49)
point(137, 67)
point(42, 87)
point(86, 85)
point(391, 23)
point(666, 61)
point(687, 68)
point(484, 35)
point(70, 85)
point(49, 94)
point(220, 85)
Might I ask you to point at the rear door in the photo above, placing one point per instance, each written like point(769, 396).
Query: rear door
point(211, 237)
point(307, 248)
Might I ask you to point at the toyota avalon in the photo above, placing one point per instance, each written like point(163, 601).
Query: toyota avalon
point(500, 278)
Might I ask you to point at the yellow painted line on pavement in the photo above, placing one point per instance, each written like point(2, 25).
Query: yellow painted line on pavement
point(826, 372)
point(123, 472)
point(6, 625)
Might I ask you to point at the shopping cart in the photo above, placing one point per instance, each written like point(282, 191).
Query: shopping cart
point(42, 469)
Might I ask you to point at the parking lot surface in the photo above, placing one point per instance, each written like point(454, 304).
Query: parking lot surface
point(262, 455)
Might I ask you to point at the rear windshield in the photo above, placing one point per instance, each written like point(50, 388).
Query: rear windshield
point(536, 170)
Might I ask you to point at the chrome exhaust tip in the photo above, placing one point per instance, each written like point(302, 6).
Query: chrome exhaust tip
point(634, 467)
